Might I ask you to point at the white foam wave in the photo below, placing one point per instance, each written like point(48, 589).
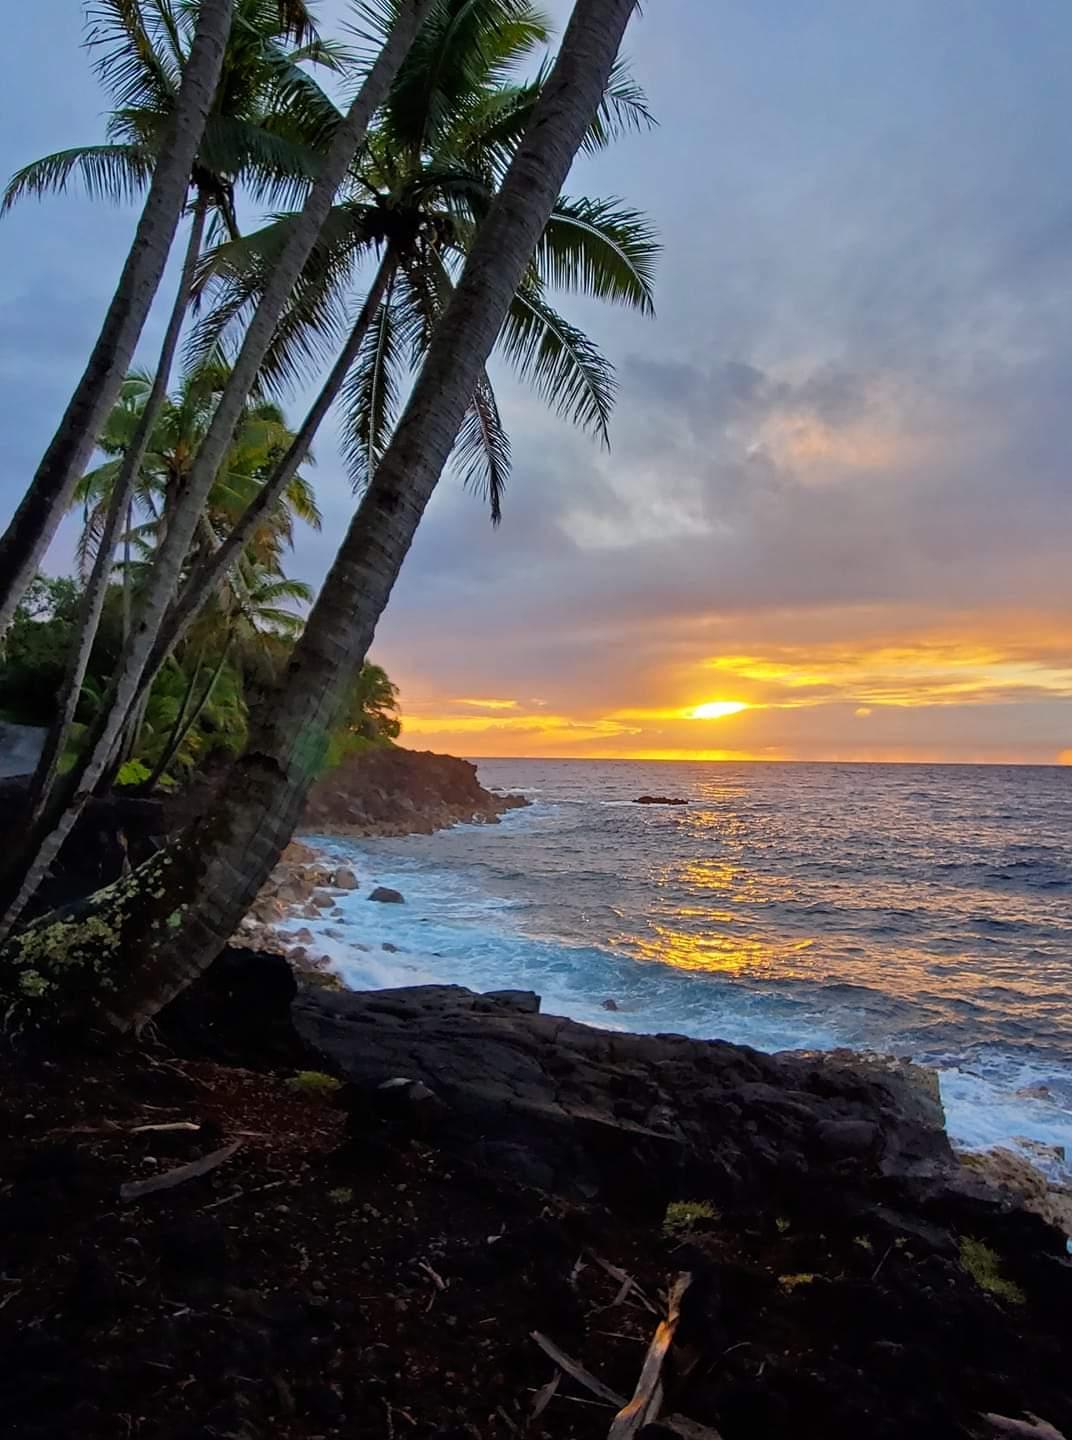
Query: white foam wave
point(449, 931)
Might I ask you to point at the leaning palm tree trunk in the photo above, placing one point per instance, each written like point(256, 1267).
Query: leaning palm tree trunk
point(45, 840)
point(168, 920)
point(34, 522)
point(213, 569)
point(119, 506)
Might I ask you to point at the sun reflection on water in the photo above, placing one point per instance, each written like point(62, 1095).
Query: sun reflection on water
point(716, 953)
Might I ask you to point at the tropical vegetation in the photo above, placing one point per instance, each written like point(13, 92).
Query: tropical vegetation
point(410, 238)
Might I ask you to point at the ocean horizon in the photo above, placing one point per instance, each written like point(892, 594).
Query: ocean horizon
point(923, 912)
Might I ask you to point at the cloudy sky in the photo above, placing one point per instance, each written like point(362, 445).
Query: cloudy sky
point(837, 500)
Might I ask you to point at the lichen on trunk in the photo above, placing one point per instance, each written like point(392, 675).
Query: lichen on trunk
point(67, 966)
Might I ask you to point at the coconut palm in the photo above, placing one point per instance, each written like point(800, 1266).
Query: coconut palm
point(413, 202)
point(267, 118)
point(47, 834)
point(245, 636)
point(172, 916)
point(34, 523)
point(262, 436)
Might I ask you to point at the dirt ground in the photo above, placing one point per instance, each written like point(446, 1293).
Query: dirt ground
point(319, 1283)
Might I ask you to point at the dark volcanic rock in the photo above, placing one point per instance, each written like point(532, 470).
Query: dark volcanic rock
point(401, 792)
point(237, 1011)
point(386, 896)
point(659, 800)
point(586, 1112)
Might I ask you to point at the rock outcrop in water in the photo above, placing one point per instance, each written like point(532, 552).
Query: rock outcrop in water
point(659, 800)
point(402, 792)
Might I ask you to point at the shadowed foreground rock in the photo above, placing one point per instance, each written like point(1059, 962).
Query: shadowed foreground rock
point(588, 1112)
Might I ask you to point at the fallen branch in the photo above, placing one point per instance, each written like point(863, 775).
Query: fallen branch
point(165, 1126)
point(135, 1189)
point(647, 1399)
point(577, 1372)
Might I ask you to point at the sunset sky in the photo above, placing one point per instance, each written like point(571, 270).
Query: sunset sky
point(836, 518)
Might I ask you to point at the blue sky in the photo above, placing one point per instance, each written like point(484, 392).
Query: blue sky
point(838, 491)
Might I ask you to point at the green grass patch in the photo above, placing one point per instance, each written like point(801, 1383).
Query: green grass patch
point(682, 1216)
point(984, 1267)
point(794, 1282)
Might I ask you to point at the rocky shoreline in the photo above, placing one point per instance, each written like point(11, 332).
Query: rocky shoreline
point(307, 885)
point(300, 1212)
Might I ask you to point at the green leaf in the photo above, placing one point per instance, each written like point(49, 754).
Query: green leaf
point(599, 248)
point(118, 173)
point(563, 365)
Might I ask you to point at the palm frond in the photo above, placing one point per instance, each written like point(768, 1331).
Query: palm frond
point(624, 110)
point(234, 274)
point(464, 44)
point(118, 173)
point(127, 62)
point(482, 451)
point(565, 367)
point(274, 168)
point(599, 248)
point(370, 395)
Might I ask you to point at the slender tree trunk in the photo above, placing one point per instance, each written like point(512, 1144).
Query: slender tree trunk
point(169, 919)
point(34, 523)
point(128, 513)
point(210, 573)
point(71, 796)
point(185, 722)
point(120, 505)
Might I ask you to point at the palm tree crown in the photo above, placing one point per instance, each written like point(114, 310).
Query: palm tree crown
point(416, 195)
point(267, 119)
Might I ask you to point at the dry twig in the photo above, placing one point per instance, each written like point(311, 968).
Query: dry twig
point(577, 1371)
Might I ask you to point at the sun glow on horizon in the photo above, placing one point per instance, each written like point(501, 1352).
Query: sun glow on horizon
point(717, 709)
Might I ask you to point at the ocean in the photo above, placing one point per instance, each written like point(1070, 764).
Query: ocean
point(922, 911)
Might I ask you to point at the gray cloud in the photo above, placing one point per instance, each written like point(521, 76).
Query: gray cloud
point(848, 419)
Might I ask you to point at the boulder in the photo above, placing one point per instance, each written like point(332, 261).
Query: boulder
point(659, 800)
point(1014, 1175)
point(238, 1012)
point(386, 896)
point(630, 1119)
point(526, 1001)
point(345, 879)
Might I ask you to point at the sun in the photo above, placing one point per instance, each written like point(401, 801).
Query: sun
point(717, 709)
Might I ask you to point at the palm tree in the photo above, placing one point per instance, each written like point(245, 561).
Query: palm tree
point(166, 923)
point(34, 523)
point(46, 836)
point(266, 119)
point(248, 634)
point(414, 199)
point(262, 435)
